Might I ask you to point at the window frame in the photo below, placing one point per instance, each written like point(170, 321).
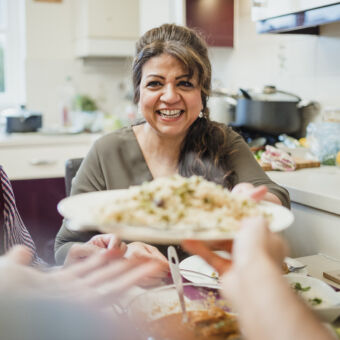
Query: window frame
point(13, 37)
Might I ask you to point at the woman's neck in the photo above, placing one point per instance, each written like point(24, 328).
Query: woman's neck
point(161, 154)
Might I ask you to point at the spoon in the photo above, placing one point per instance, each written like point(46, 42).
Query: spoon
point(293, 269)
point(177, 278)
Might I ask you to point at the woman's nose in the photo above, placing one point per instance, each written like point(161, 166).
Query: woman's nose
point(170, 95)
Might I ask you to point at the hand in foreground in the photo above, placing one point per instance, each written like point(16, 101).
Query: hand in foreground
point(97, 243)
point(254, 241)
point(254, 278)
point(98, 279)
point(143, 250)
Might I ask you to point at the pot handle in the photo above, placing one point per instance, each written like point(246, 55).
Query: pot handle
point(269, 89)
point(290, 94)
point(305, 104)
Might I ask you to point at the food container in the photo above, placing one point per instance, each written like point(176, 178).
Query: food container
point(161, 302)
point(318, 295)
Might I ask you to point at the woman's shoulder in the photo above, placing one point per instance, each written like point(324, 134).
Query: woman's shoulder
point(115, 137)
point(230, 135)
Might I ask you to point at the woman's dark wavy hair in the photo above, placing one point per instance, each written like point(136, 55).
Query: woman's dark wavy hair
point(204, 149)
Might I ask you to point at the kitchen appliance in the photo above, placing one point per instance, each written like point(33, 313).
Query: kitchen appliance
point(262, 114)
point(22, 120)
point(272, 111)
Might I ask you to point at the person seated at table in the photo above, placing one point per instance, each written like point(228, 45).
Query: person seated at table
point(172, 82)
point(12, 229)
point(267, 307)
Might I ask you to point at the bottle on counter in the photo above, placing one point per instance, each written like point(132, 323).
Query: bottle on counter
point(66, 102)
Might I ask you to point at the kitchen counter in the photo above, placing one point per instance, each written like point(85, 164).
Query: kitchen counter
point(40, 139)
point(27, 156)
point(315, 203)
point(315, 187)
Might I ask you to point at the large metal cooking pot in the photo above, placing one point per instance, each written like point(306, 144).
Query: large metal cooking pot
point(21, 120)
point(271, 111)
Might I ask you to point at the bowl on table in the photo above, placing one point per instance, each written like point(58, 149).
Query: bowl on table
point(157, 314)
point(318, 295)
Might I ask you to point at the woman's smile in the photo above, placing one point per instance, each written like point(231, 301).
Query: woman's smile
point(170, 100)
point(170, 115)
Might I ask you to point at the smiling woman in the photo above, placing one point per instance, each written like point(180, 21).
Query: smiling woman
point(172, 82)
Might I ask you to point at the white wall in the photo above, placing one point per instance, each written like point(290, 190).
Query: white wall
point(50, 59)
point(306, 65)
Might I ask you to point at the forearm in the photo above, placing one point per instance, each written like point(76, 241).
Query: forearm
point(268, 308)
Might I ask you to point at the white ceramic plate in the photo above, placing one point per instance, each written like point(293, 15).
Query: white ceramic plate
point(329, 309)
point(79, 210)
point(196, 264)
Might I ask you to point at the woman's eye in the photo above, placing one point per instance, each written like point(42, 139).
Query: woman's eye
point(184, 83)
point(153, 83)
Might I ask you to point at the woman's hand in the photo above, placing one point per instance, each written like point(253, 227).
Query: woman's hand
point(97, 243)
point(143, 250)
point(256, 193)
point(248, 190)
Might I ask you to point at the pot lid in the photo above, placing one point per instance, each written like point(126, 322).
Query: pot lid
point(270, 93)
point(18, 112)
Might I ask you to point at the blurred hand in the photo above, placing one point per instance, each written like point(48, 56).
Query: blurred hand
point(253, 241)
point(143, 250)
point(248, 190)
point(98, 279)
point(80, 251)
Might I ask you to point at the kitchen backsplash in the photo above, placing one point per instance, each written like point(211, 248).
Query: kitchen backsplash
point(303, 64)
point(306, 65)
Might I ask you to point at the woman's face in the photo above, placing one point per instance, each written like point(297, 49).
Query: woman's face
point(169, 101)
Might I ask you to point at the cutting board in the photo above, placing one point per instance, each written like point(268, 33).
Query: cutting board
point(301, 163)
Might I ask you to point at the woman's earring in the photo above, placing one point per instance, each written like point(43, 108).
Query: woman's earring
point(200, 115)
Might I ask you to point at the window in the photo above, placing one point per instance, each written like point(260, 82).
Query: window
point(12, 52)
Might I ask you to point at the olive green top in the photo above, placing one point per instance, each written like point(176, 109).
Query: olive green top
point(116, 161)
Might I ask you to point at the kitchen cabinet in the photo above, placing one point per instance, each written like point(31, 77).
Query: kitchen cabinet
point(315, 201)
point(106, 27)
point(35, 165)
point(215, 19)
point(154, 13)
point(302, 16)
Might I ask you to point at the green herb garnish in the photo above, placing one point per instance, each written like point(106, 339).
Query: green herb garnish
point(298, 286)
point(315, 301)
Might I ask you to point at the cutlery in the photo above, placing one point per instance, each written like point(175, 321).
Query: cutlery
point(293, 269)
point(177, 278)
point(215, 278)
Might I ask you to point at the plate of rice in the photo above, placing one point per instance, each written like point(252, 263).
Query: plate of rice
point(169, 210)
